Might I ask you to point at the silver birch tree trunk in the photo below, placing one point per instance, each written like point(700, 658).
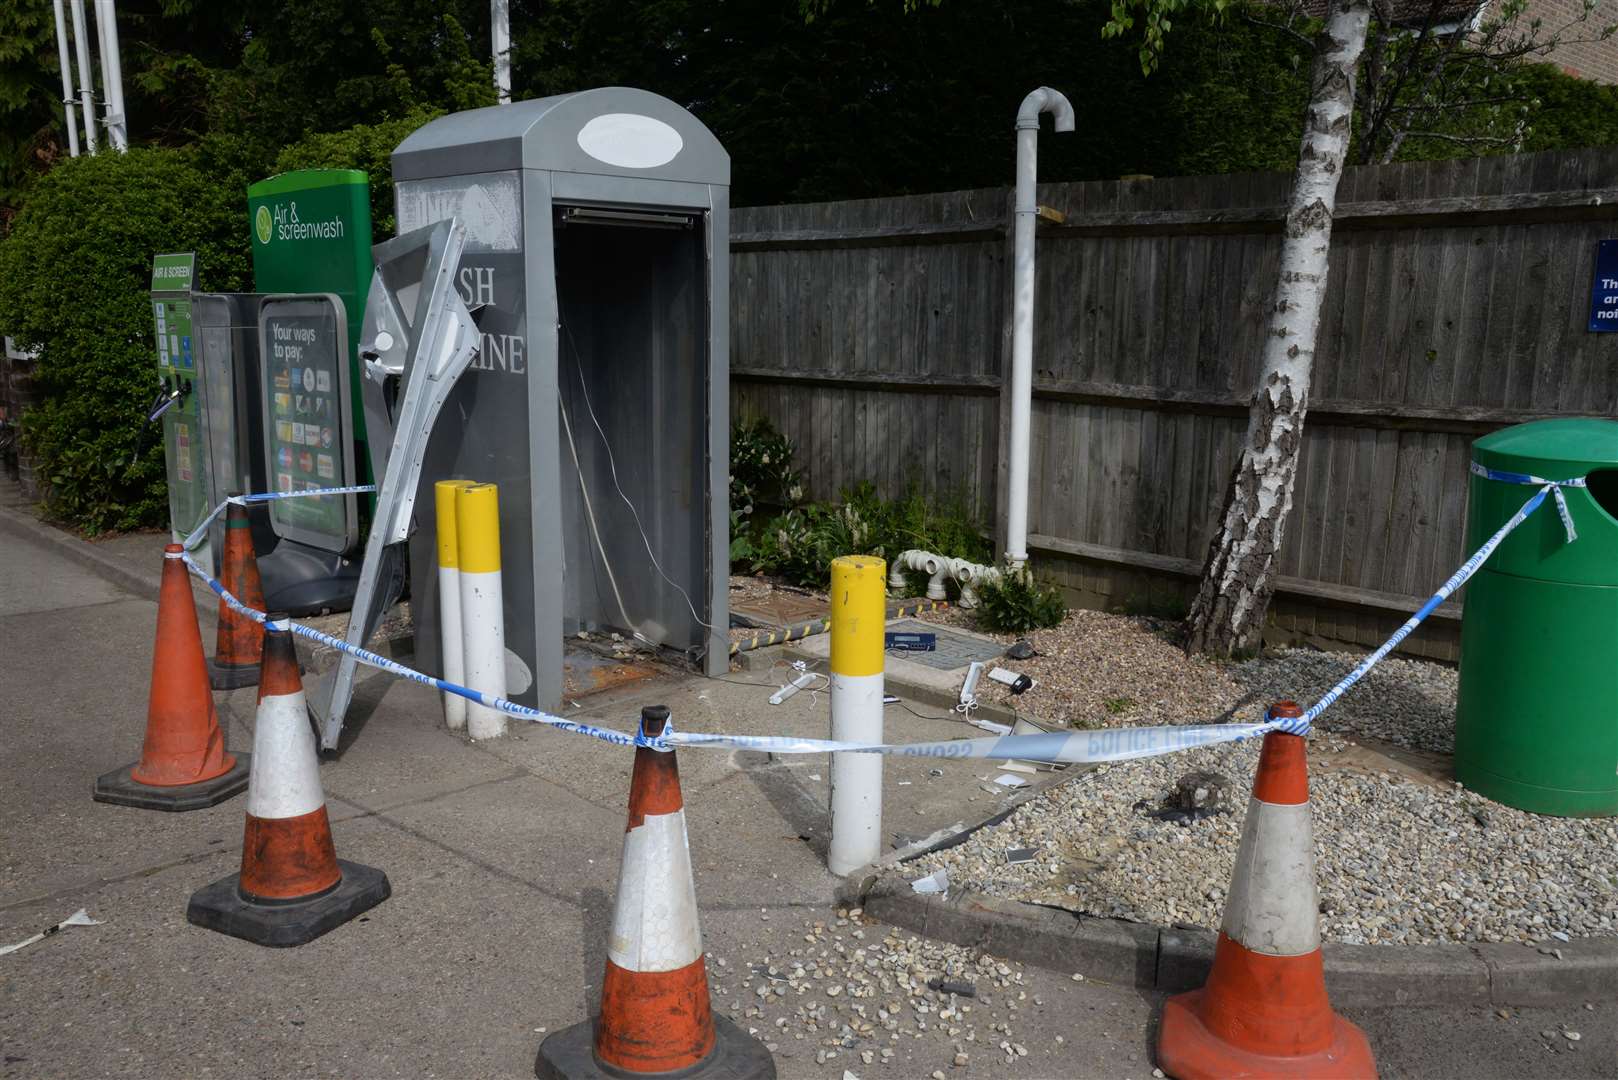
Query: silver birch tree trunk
point(1238, 578)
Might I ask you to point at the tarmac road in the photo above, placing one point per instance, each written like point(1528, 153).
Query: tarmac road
point(503, 859)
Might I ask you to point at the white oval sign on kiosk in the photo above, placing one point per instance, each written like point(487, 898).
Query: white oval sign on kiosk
point(630, 140)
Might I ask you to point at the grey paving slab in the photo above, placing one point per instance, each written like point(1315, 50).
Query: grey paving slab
point(36, 580)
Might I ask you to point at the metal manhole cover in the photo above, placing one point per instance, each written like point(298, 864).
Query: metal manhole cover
point(955, 649)
point(781, 609)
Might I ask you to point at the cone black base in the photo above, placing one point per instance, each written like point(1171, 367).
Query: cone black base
point(118, 788)
point(231, 676)
point(569, 1054)
point(280, 926)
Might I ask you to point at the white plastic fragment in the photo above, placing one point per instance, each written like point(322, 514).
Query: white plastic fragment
point(936, 882)
point(80, 917)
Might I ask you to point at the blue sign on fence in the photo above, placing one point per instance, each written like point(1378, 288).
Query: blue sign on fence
point(1604, 293)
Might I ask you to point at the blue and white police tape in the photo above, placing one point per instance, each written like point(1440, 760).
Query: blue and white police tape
point(371, 659)
point(1110, 744)
point(1077, 747)
point(1300, 725)
point(190, 542)
point(1556, 487)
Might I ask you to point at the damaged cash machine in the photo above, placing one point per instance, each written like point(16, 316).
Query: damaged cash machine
point(553, 319)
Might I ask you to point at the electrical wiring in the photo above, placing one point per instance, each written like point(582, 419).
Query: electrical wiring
point(612, 466)
point(595, 530)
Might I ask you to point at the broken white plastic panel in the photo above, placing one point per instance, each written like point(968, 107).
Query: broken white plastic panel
point(416, 340)
point(935, 883)
point(418, 356)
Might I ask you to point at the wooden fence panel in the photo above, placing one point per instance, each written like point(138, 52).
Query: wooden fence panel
point(874, 333)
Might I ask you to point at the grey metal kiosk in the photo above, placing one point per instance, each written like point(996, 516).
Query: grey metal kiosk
point(597, 267)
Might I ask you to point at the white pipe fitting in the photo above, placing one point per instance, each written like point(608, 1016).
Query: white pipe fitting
point(942, 568)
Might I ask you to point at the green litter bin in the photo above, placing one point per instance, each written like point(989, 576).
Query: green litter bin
point(1537, 722)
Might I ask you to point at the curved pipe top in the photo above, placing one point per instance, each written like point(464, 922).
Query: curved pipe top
point(1045, 100)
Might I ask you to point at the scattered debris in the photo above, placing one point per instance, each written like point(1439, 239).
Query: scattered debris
point(936, 882)
point(80, 917)
point(1019, 683)
point(853, 991)
point(1201, 791)
point(1397, 862)
point(959, 987)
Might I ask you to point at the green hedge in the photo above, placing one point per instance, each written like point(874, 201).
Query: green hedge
point(367, 147)
point(75, 274)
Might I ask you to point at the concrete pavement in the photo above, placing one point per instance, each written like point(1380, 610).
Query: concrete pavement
point(503, 859)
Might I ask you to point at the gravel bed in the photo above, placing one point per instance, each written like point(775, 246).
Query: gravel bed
point(1397, 862)
point(1408, 702)
point(1103, 670)
point(1098, 669)
point(855, 994)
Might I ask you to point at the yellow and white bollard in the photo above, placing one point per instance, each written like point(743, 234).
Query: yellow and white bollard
point(858, 619)
point(483, 628)
point(449, 601)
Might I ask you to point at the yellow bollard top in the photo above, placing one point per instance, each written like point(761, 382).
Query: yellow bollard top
point(444, 501)
point(477, 528)
point(859, 591)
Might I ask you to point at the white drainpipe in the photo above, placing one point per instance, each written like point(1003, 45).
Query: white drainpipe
point(112, 74)
point(87, 77)
point(1022, 320)
point(500, 45)
point(69, 106)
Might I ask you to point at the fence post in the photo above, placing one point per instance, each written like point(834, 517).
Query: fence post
point(858, 619)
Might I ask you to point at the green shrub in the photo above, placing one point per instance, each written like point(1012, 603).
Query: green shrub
point(761, 469)
point(943, 525)
point(367, 147)
point(74, 278)
point(742, 548)
point(1018, 603)
point(800, 543)
point(789, 546)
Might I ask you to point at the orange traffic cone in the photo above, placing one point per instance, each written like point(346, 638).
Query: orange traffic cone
point(1263, 1011)
point(183, 764)
point(240, 643)
point(292, 887)
point(655, 1014)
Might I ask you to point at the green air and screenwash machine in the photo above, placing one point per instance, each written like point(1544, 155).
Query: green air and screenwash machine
point(1537, 723)
point(258, 389)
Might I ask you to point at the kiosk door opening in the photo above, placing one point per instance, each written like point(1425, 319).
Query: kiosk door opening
point(632, 372)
